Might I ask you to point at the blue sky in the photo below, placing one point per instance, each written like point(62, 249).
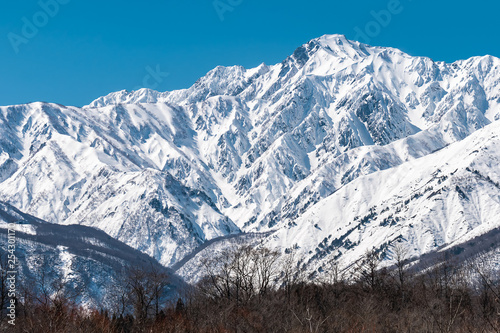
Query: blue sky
point(79, 50)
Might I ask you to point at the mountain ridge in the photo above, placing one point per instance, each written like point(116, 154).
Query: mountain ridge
point(242, 150)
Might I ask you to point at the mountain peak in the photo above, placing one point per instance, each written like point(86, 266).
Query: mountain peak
point(332, 37)
point(339, 46)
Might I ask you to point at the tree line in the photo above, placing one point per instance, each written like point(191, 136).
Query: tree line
point(247, 289)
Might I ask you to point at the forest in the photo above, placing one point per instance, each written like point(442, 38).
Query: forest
point(248, 289)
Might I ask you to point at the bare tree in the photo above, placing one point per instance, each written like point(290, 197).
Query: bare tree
point(291, 273)
point(367, 269)
point(240, 273)
point(147, 288)
point(401, 261)
point(266, 266)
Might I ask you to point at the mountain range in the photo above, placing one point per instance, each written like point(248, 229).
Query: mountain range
point(339, 149)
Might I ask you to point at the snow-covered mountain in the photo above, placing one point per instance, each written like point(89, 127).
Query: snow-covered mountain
point(340, 148)
point(87, 262)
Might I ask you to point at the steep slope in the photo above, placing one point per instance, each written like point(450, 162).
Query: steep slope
point(87, 261)
point(110, 169)
point(266, 129)
point(445, 201)
point(441, 199)
point(242, 149)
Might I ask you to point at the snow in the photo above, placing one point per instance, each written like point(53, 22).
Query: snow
point(308, 148)
point(24, 228)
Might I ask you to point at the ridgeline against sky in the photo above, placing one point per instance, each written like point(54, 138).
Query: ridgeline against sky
point(71, 52)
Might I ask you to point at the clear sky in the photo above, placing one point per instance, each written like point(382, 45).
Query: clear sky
point(73, 51)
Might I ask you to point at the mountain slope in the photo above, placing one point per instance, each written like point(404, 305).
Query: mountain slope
point(441, 199)
point(111, 168)
point(89, 262)
point(251, 150)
